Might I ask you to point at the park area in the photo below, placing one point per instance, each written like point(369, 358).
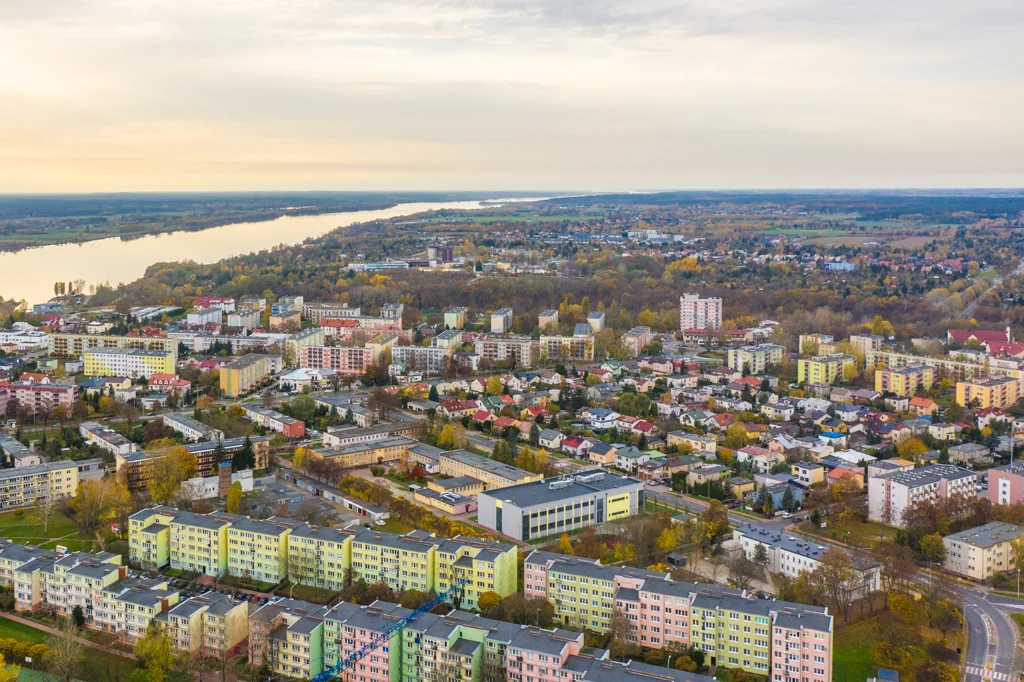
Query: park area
point(27, 527)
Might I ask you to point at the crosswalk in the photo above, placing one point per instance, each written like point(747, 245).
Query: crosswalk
point(989, 674)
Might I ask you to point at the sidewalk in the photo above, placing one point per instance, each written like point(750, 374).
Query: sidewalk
point(53, 631)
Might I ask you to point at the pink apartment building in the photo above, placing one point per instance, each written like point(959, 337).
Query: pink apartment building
point(1006, 484)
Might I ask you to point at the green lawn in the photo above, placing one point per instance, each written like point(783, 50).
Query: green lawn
point(989, 275)
point(27, 529)
point(861, 534)
point(22, 633)
point(851, 656)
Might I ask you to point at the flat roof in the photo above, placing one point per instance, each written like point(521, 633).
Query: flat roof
point(989, 535)
point(549, 490)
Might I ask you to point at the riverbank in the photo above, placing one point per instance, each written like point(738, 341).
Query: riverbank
point(29, 274)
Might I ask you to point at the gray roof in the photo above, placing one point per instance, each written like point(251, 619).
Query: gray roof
point(10, 474)
point(497, 468)
point(988, 535)
point(542, 492)
point(928, 475)
point(551, 642)
point(272, 526)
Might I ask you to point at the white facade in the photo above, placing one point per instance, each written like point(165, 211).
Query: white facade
point(890, 496)
point(699, 313)
point(204, 316)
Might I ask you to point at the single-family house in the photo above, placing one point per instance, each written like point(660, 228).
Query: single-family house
point(808, 473)
point(551, 439)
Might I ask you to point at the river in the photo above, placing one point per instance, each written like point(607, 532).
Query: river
point(29, 274)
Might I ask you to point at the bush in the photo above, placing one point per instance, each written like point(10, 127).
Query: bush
point(19, 512)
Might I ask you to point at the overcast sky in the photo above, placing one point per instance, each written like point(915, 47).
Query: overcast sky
point(510, 94)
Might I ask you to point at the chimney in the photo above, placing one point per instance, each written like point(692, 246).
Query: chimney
point(223, 479)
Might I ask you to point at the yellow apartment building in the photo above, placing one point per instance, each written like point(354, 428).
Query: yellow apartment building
point(999, 392)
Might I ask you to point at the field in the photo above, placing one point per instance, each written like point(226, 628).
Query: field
point(27, 529)
point(852, 660)
point(22, 633)
point(860, 534)
point(96, 665)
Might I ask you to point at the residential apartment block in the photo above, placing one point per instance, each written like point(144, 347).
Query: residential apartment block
point(889, 496)
point(501, 321)
point(904, 382)
point(1006, 484)
point(314, 312)
point(244, 374)
point(755, 359)
point(33, 485)
point(274, 420)
point(429, 359)
point(75, 345)
point(699, 313)
point(781, 640)
point(298, 639)
point(127, 362)
point(514, 351)
point(1001, 392)
point(825, 369)
point(210, 624)
point(321, 557)
point(635, 340)
point(106, 438)
point(291, 349)
point(791, 556)
point(979, 553)
point(190, 428)
point(39, 397)
point(455, 317)
point(342, 359)
point(136, 469)
point(579, 346)
point(558, 505)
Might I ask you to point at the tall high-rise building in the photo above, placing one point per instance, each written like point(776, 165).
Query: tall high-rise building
point(699, 313)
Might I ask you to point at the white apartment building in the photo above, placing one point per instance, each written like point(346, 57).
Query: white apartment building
point(501, 321)
point(516, 350)
point(429, 359)
point(981, 552)
point(891, 495)
point(791, 556)
point(755, 359)
point(106, 438)
point(699, 313)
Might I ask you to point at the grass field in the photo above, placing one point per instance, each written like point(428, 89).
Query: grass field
point(851, 658)
point(861, 534)
point(22, 633)
point(27, 529)
point(989, 275)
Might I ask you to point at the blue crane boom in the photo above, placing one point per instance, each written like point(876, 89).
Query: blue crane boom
point(386, 634)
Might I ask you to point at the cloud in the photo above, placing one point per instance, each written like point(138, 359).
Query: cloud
point(192, 94)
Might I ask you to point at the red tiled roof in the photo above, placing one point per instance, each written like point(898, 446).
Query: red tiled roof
point(981, 335)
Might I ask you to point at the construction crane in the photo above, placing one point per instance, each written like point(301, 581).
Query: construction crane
point(386, 634)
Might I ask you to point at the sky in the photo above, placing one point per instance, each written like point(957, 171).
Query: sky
point(132, 95)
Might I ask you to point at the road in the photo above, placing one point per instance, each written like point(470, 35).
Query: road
point(969, 310)
point(992, 639)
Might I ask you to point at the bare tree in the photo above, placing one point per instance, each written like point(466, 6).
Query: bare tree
point(46, 510)
point(835, 580)
point(66, 651)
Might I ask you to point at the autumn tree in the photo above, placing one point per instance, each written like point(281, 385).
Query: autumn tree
point(169, 472)
point(155, 652)
point(234, 503)
point(836, 580)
